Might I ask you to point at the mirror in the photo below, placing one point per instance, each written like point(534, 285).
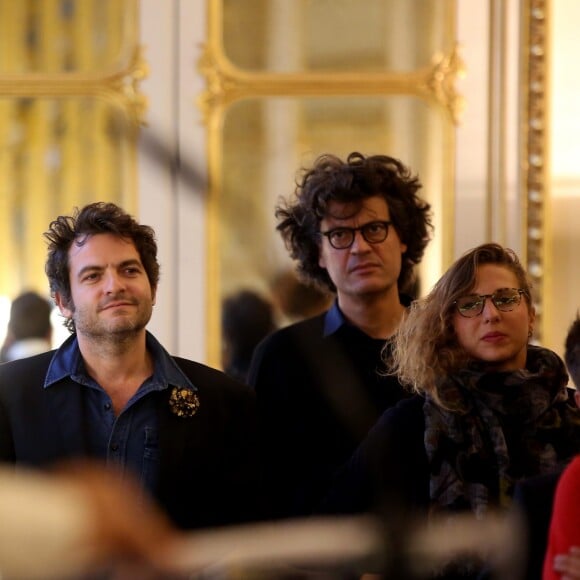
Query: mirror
point(267, 141)
point(343, 77)
point(290, 36)
point(69, 111)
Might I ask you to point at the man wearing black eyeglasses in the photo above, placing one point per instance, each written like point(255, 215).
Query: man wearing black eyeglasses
point(357, 229)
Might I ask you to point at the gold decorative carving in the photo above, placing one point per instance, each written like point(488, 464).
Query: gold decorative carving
point(74, 107)
point(119, 87)
point(534, 151)
point(227, 83)
point(441, 82)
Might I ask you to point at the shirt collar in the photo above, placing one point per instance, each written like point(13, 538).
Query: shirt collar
point(334, 318)
point(68, 362)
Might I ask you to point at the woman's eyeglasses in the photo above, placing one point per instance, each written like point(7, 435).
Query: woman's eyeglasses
point(504, 299)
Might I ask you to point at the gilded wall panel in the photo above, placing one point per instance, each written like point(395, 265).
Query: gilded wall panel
point(69, 114)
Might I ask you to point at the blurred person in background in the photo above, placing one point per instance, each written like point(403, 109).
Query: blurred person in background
point(82, 520)
point(29, 330)
point(247, 318)
point(296, 299)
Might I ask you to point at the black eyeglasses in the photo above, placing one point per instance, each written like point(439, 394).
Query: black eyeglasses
point(504, 299)
point(343, 238)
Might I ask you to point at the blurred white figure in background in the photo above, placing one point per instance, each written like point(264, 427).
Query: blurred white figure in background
point(78, 521)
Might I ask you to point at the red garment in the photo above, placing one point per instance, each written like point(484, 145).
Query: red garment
point(565, 524)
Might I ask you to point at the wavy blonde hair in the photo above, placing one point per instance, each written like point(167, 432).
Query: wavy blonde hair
point(426, 349)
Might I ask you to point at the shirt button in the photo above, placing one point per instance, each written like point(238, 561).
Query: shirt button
point(107, 406)
point(114, 447)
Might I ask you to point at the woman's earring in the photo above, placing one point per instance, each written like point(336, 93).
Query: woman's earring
point(530, 332)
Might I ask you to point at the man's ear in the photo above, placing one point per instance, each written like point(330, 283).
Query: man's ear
point(577, 397)
point(62, 305)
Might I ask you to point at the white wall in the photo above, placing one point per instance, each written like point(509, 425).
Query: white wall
point(172, 200)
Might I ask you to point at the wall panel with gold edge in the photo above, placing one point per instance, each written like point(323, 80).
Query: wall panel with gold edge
point(69, 113)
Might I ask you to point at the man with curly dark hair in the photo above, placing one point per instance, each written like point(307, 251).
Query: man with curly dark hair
point(111, 392)
point(357, 228)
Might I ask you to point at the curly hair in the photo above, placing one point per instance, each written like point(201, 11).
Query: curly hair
point(425, 347)
point(353, 181)
point(95, 218)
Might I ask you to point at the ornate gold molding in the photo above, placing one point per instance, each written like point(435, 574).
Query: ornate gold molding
point(226, 83)
point(118, 84)
point(441, 82)
point(119, 87)
point(535, 151)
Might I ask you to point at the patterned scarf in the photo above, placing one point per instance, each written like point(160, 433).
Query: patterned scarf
point(498, 427)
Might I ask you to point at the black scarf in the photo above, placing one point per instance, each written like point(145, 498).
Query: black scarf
point(495, 428)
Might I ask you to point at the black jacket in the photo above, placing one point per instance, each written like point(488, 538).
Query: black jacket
point(209, 469)
point(317, 398)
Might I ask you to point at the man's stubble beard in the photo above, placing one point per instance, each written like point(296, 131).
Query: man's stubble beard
point(111, 332)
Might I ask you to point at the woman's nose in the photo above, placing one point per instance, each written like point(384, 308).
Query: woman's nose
point(490, 311)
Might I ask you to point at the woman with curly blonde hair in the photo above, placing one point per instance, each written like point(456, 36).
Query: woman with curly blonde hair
point(490, 408)
point(427, 346)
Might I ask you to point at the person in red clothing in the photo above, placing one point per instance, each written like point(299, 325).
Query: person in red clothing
point(563, 553)
point(562, 559)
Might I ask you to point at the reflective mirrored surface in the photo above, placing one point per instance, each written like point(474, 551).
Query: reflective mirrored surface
point(335, 35)
point(266, 142)
point(66, 36)
point(56, 154)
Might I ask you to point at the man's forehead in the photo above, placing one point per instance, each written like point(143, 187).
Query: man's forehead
point(375, 206)
point(100, 246)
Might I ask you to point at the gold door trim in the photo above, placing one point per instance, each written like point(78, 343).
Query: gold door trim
point(534, 153)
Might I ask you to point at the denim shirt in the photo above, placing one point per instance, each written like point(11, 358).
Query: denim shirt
point(334, 318)
point(130, 440)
